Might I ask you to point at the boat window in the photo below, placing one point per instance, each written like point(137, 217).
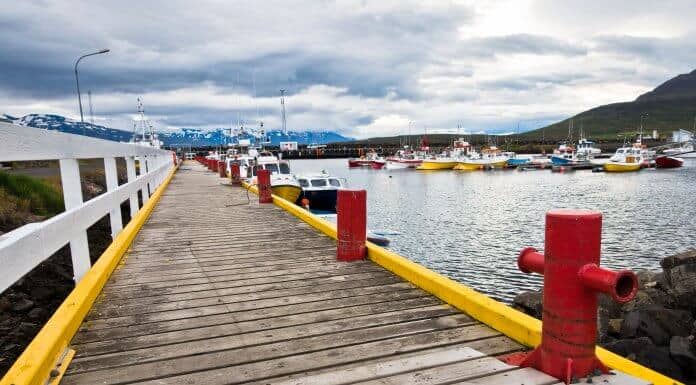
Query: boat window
point(318, 182)
point(303, 182)
point(284, 168)
point(335, 182)
point(255, 169)
point(272, 167)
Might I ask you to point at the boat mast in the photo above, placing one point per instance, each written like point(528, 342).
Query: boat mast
point(91, 113)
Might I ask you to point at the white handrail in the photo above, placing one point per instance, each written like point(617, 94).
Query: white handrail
point(24, 248)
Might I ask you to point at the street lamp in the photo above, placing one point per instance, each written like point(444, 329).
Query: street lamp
point(77, 82)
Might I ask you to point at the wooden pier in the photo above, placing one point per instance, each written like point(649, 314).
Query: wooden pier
point(217, 289)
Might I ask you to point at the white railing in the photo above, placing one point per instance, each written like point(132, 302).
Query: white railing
point(26, 247)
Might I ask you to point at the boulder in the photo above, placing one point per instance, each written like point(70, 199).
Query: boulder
point(629, 346)
point(614, 326)
point(529, 302)
point(42, 293)
point(658, 359)
point(680, 277)
point(22, 305)
point(682, 352)
point(36, 314)
point(647, 278)
point(641, 323)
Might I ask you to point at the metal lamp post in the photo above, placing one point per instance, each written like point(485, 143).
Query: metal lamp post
point(77, 82)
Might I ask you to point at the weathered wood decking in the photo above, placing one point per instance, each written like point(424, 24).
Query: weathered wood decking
point(218, 291)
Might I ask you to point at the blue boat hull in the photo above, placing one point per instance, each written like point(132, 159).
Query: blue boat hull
point(517, 162)
point(557, 160)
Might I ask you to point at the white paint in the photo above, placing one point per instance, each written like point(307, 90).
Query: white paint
point(111, 184)
point(72, 195)
point(24, 248)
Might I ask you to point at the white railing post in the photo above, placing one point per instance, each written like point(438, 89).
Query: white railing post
point(111, 174)
point(144, 170)
point(72, 195)
point(130, 172)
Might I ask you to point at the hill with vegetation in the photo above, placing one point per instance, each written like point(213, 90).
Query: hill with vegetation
point(669, 107)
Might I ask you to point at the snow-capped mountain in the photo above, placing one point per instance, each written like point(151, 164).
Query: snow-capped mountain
point(184, 137)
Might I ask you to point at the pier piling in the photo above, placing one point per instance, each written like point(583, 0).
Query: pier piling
point(264, 182)
point(351, 210)
point(235, 174)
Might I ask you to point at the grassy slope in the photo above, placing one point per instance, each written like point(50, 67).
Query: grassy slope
point(23, 198)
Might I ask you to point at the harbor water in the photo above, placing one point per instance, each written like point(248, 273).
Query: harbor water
point(470, 226)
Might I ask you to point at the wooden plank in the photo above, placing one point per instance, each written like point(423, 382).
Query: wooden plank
point(232, 326)
point(219, 314)
point(299, 333)
point(388, 368)
point(293, 350)
point(524, 376)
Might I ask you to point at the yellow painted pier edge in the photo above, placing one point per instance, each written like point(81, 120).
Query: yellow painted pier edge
point(513, 323)
point(34, 366)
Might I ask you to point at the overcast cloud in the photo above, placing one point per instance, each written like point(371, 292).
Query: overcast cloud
point(362, 68)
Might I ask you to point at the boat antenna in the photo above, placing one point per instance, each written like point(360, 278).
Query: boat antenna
point(282, 111)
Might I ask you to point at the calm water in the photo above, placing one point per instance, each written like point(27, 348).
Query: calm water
point(470, 226)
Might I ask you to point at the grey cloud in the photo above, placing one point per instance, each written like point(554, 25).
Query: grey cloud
point(517, 44)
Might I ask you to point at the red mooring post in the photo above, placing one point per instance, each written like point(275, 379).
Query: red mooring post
point(209, 164)
point(235, 174)
point(222, 169)
point(572, 280)
point(264, 183)
point(214, 164)
point(351, 225)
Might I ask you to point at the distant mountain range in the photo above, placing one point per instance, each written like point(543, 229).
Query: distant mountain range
point(670, 106)
point(182, 138)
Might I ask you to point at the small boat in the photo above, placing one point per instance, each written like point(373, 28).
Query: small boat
point(515, 161)
point(563, 155)
point(283, 182)
point(586, 147)
point(490, 157)
point(437, 163)
point(684, 151)
point(665, 161)
point(320, 191)
point(626, 159)
point(371, 159)
point(405, 159)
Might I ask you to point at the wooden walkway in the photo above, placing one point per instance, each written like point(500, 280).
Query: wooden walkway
point(217, 290)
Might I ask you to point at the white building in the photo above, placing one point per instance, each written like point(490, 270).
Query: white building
point(682, 136)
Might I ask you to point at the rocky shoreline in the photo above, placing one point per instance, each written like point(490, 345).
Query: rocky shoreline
point(658, 328)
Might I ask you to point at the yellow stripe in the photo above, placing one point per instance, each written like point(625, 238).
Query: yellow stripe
point(513, 323)
point(37, 360)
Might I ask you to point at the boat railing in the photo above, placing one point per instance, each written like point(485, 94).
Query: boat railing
point(24, 248)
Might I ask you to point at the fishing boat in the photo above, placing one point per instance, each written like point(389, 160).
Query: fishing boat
point(515, 161)
point(490, 157)
point(586, 148)
point(684, 151)
point(319, 190)
point(438, 163)
point(405, 159)
point(563, 155)
point(665, 161)
point(283, 182)
point(626, 159)
point(371, 159)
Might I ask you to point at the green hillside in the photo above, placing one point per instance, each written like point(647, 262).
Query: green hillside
point(669, 107)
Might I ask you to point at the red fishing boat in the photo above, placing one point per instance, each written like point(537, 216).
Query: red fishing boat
point(370, 160)
point(665, 161)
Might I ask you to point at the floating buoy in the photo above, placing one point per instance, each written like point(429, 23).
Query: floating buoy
point(305, 203)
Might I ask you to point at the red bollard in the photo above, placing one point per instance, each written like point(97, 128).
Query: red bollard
point(264, 181)
point(235, 174)
point(209, 164)
point(174, 158)
point(214, 164)
point(222, 169)
point(572, 280)
point(351, 225)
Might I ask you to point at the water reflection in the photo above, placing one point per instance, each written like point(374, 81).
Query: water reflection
point(471, 225)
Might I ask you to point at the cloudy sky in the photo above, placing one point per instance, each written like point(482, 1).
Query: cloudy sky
point(364, 68)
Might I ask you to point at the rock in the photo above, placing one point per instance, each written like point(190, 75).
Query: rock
point(629, 346)
point(614, 328)
point(658, 359)
point(530, 302)
point(5, 304)
point(682, 353)
point(22, 305)
point(647, 278)
point(26, 329)
point(36, 314)
point(641, 323)
point(680, 276)
point(41, 293)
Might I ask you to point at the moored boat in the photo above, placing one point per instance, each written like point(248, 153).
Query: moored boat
point(320, 191)
point(626, 159)
point(490, 157)
point(371, 159)
point(665, 161)
point(283, 182)
point(437, 163)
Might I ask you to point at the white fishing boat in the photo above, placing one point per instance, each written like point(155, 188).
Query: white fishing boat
point(320, 190)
